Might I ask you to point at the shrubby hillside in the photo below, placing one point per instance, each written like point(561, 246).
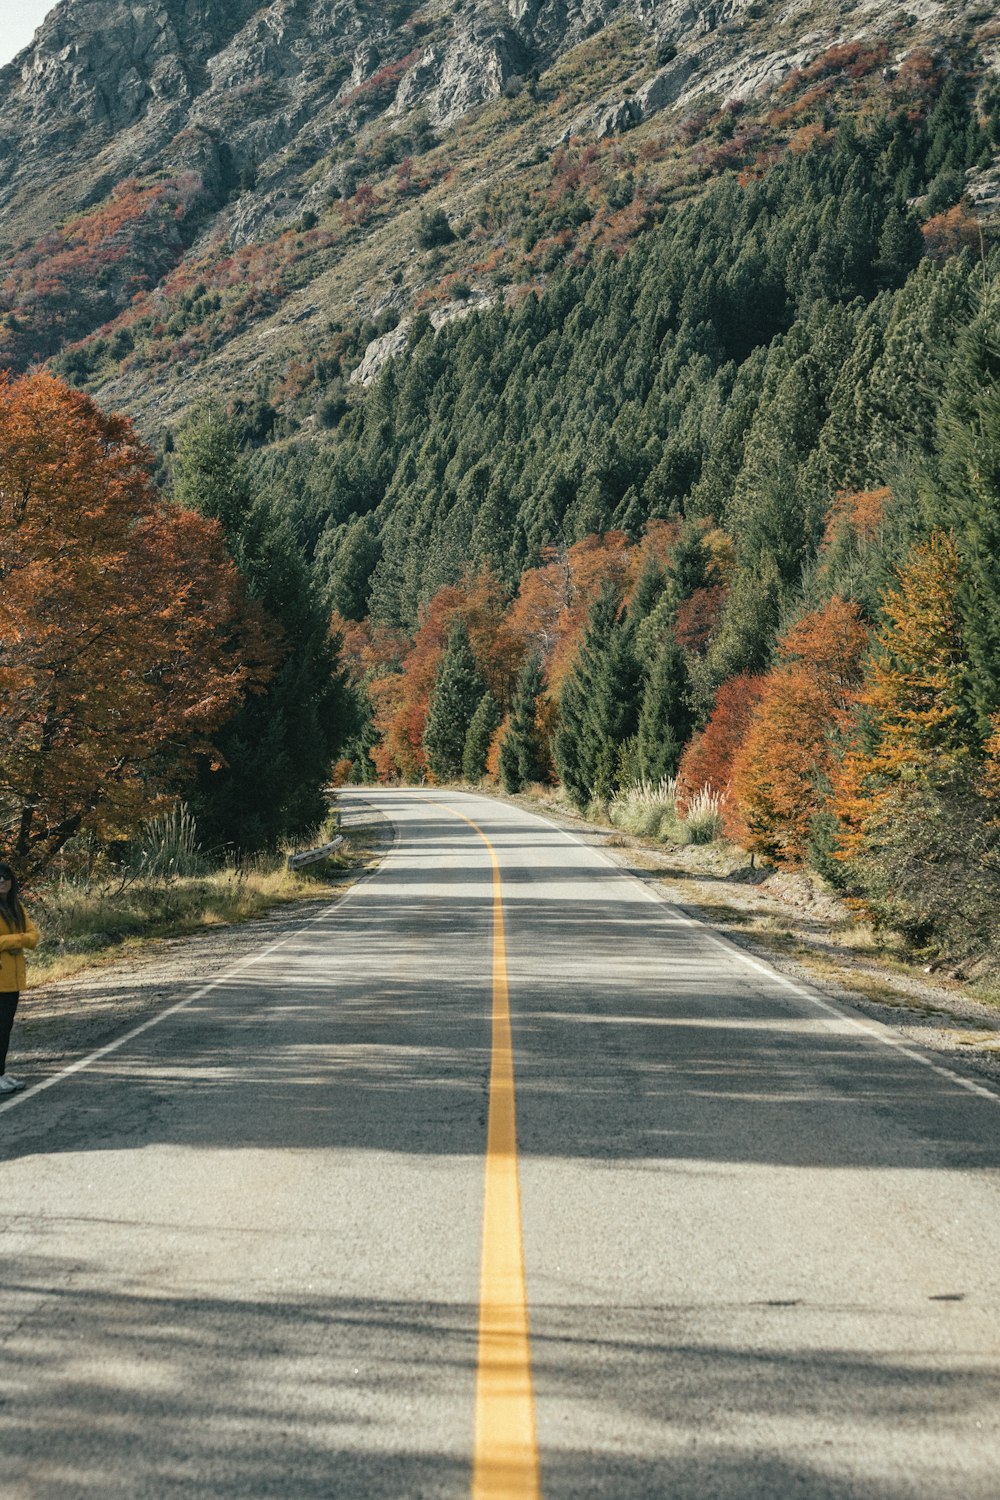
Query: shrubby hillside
point(257, 200)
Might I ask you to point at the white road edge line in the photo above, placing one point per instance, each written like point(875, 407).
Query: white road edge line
point(877, 1033)
point(872, 1030)
point(35, 1089)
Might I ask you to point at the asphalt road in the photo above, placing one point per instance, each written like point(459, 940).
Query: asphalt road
point(243, 1252)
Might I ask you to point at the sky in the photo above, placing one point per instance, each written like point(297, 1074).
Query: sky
point(19, 20)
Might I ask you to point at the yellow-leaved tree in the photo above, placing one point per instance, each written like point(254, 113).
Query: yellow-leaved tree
point(912, 704)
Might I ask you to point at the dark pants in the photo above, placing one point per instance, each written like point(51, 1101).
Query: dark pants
point(8, 1005)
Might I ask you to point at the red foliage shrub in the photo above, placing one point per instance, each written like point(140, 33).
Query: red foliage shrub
point(80, 275)
point(708, 759)
point(919, 76)
point(808, 137)
point(382, 85)
point(698, 616)
point(954, 230)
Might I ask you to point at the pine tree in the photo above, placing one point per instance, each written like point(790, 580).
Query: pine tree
point(355, 553)
point(665, 720)
point(485, 722)
point(687, 569)
point(522, 753)
point(458, 691)
point(648, 590)
point(900, 247)
point(209, 473)
point(275, 756)
point(970, 503)
point(950, 144)
point(598, 708)
point(746, 635)
point(629, 514)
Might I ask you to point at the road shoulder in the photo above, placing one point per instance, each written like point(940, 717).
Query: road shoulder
point(806, 934)
point(63, 1020)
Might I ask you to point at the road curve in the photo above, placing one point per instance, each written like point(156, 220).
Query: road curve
point(266, 1246)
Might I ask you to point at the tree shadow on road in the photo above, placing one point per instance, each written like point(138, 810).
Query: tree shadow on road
point(327, 1396)
point(637, 1037)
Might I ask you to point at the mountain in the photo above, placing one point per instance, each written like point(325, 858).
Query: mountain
point(255, 200)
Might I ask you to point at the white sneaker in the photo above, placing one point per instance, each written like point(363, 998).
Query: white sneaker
point(9, 1085)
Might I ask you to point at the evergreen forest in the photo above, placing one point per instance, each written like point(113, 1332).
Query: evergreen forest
point(721, 509)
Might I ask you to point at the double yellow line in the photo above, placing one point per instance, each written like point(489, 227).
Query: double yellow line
point(505, 1460)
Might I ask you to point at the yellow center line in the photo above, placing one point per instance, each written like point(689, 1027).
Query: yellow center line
point(505, 1460)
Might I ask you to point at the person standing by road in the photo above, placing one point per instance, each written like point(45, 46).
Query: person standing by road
point(17, 932)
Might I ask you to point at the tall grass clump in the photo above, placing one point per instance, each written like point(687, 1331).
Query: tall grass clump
point(703, 818)
point(169, 846)
point(649, 809)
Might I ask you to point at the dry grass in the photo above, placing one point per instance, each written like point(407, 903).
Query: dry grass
point(823, 967)
point(649, 810)
point(86, 924)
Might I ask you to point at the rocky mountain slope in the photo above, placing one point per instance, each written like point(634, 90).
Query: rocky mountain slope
point(255, 199)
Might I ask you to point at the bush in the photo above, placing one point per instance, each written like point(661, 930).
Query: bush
point(331, 409)
point(434, 230)
point(930, 869)
point(944, 192)
point(387, 320)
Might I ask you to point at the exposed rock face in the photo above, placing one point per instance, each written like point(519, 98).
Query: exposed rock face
point(235, 88)
point(478, 65)
point(242, 120)
point(665, 87)
point(98, 66)
point(378, 353)
point(983, 191)
point(384, 348)
point(112, 87)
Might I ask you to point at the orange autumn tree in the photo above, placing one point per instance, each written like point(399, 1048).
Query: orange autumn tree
point(499, 649)
point(806, 697)
point(125, 638)
point(707, 762)
point(401, 699)
point(549, 614)
point(912, 700)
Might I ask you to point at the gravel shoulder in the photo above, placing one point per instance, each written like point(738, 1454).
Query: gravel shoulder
point(63, 1020)
point(789, 919)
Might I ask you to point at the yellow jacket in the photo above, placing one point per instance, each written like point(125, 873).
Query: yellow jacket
point(12, 946)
